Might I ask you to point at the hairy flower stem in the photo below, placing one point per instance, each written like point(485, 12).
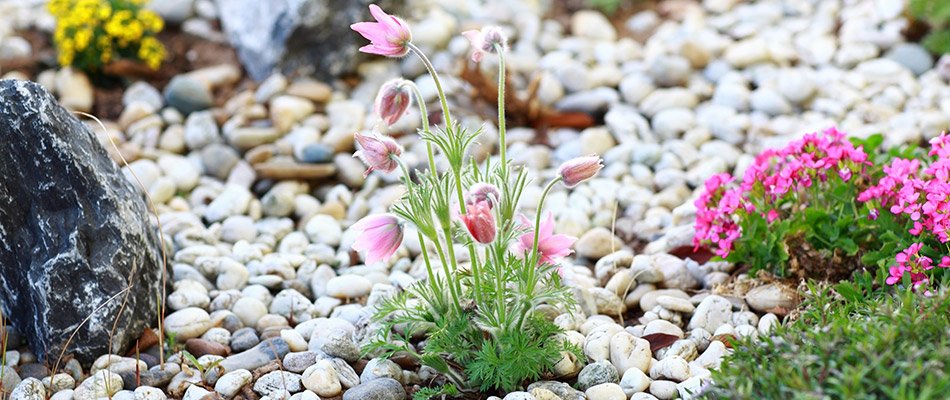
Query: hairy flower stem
point(425, 125)
point(472, 252)
point(456, 169)
point(454, 287)
point(438, 83)
point(502, 146)
point(537, 227)
point(425, 254)
point(503, 153)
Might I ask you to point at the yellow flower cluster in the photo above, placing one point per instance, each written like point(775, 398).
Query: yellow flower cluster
point(92, 33)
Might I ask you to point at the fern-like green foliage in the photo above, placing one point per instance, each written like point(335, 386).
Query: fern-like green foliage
point(447, 390)
point(935, 13)
point(513, 357)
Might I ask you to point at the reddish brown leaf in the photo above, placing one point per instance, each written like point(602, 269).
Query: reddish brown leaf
point(726, 339)
point(660, 340)
point(147, 340)
point(576, 120)
point(779, 311)
point(700, 255)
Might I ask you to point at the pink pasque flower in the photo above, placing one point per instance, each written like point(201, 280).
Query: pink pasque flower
point(389, 36)
point(579, 169)
point(483, 192)
point(393, 100)
point(480, 221)
point(380, 237)
point(484, 41)
point(379, 153)
point(550, 246)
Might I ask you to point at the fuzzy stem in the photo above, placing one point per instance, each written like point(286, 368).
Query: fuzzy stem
point(425, 255)
point(449, 278)
point(529, 290)
point(472, 253)
point(447, 116)
point(425, 125)
point(499, 287)
point(537, 219)
point(502, 146)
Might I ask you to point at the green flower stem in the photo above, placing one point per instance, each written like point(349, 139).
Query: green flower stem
point(425, 255)
point(447, 116)
point(472, 252)
point(499, 287)
point(438, 83)
point(425, 124)
point(502, 146)
point(537, 227)
point(454, 287)
point(451, 251)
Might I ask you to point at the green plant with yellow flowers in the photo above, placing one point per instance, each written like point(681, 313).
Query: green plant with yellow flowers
point(93, 33)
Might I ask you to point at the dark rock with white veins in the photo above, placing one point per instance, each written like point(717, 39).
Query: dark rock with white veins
point(75, 240)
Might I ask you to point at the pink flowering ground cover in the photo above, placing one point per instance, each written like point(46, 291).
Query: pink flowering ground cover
point(825, 207)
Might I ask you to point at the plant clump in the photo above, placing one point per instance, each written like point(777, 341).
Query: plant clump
point(824, 207)
point(93, 33)
point(479, 318)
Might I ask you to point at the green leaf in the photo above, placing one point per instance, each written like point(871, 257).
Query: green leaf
point(848, 291)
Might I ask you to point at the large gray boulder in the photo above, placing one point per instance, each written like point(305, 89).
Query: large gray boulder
point(309, 37)
point(74, 233)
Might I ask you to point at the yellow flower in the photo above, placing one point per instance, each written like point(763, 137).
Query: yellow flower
point(151, 52)
point(151, 21)
point(105, 10)
point(82, 38)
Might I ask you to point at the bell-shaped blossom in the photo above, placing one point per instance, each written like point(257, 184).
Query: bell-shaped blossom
point(550, 246)
point(579, 169)
point(380, 236)
point(379, 153)
point(485, 41)
point(394, 98)
point(483, 192)
point(480, 222)
point(389, 36)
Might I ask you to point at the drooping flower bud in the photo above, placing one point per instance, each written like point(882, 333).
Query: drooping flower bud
point(377, 152)
point(485, 41)
point(389, 36)
point(380, 236)
point(480, 192)
point(579, 169)
point(393, 100)
point(480, 222)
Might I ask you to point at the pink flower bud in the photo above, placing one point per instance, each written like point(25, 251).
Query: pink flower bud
point(579, 169)
point(393, 100)
point(485, 40)
point(480, 222)
point(380, 236)
point(389, 36)
point(377, 152)
point(480, 192)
